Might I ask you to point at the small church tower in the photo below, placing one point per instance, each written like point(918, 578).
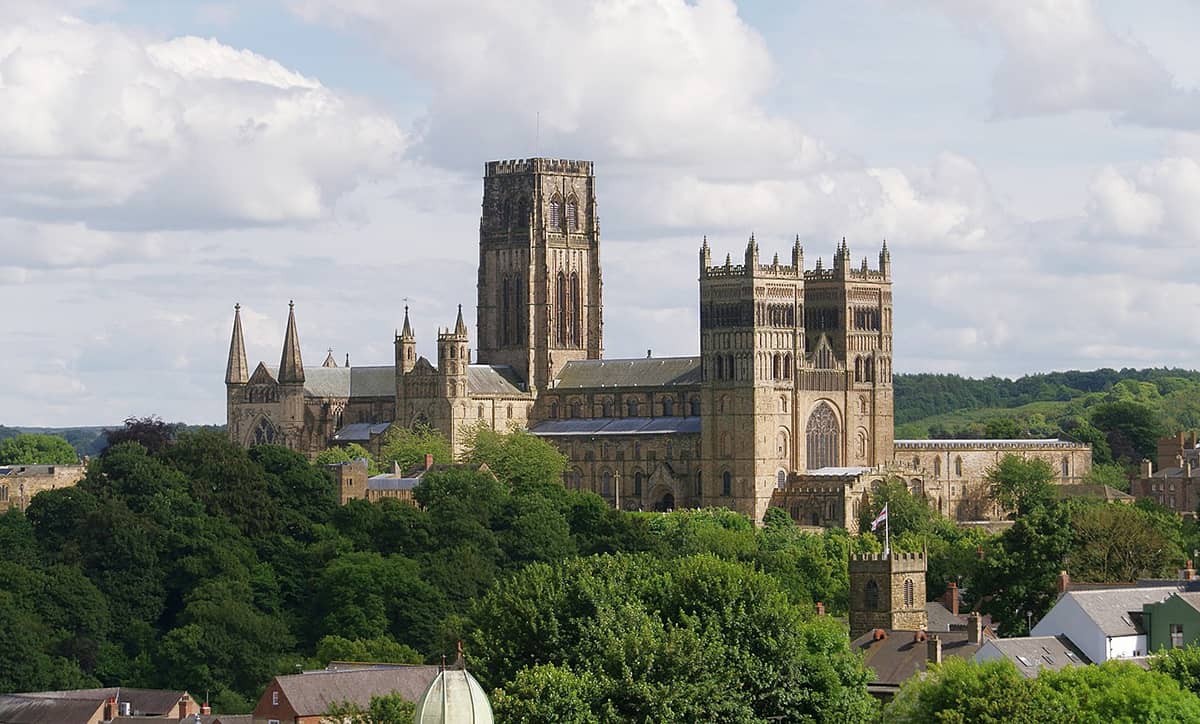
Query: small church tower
point(453, 358)
point(887, 592)
point(406, 347)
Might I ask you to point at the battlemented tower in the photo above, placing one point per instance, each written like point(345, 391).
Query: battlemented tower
point(539, 267)
point(796, 371)
point(887, 592)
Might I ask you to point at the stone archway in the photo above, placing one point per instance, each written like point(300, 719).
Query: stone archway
point(664, 499)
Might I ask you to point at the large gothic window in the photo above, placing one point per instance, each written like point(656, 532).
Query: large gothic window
point(264, 432)
point(823, 436)
point(576, 313)
point(572, 213)
point(554, 218)
point(726, 484)
point(560, 310)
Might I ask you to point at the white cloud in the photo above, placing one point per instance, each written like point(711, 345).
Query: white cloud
point(1158, 200)
point(1062, 55)
point(107, 126)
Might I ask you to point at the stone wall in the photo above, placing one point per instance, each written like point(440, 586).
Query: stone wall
point(898, 601)
point(19, 483)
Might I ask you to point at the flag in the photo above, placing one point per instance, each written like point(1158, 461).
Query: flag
point(882, 517)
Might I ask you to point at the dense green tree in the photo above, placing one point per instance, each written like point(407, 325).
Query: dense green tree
point(687, 639)
point(1115, 543)
point(406, 448)
point(1182, 665)
point(35, 449)
point(960, 691)
point(1003, 428)
point(149, 432)
point(387, 709)
point(344, 454)
point(1016, 581)
point(516, 457)
point(1110, 474)
point(1021, 484)
point(225, 480)
point(382, 649)
point(906, 512)
point(1132, 427)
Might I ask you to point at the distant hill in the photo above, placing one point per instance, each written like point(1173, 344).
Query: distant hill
point(930, 405)
point(87, 441)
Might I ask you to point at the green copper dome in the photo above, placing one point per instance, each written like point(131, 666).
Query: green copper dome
point(454, 697)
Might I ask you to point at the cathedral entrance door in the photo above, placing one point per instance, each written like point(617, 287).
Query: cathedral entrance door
point(665, 503)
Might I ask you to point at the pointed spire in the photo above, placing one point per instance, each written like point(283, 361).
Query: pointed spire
point(776, 261)
point(329, 360)
point(291, 367)
point(460, 328)
point(798, 255)
point(237, 372)
point(406, 333)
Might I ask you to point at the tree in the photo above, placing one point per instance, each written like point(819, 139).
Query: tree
point(1182, 665)
point(516, 457)
point(905, 511)
point(1021, 484)
point(1003, 428)
point(149, 432)
point(34, 449)
point(1017, 579)
point(1117, 543)
point(387, 709)
point(961, 691)
point(1110, 474)
point(345, 454)
point(407, 447)
point(1133, 428)
point(382, 649)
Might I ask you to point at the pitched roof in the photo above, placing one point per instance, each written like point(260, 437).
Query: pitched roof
point(311, 693)
point(1031, 654)
point(1097, 492)
point(647, 372)
point(493, 380)
point(617, 426)
point(347, 381)
point(78, 705)
point(899, 656)
point(941, 619)
point(361, 431)
point(1110, 609)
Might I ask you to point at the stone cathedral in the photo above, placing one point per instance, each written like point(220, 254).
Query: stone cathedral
point(789, 402)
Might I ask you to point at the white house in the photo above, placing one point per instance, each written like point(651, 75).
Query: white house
point(1104, 624)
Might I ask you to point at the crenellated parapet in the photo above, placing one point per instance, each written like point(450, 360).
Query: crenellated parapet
point(539, 165)
point(752, 267)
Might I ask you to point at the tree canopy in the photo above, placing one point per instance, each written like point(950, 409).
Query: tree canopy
point(37, 449)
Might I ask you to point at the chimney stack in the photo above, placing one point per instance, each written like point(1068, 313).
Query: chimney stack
point(428, 460)
point(1147, 468)
point(975, 628)
point(820, 609)
point(951, 597)
point(1188, 573)
point(1064, 582)
point(205, 709)
point(933, 650)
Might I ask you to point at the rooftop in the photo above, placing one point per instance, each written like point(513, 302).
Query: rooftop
point(617, 426)
point(637, 372)
point(1116, 611)
point(1031, 654)
point(985, 443)
point(898, 656)
point(311, 693)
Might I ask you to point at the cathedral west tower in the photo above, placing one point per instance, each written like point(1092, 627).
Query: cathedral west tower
point(539, 267)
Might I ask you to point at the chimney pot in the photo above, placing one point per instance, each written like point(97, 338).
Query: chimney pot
point(428, 460)
point(933, 649)
point(1064, 582)
point(820, 609)
point(205, 709)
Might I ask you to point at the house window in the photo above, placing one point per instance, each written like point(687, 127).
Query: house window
point(1177, 636)
point(274, 698)
point(872, 595)
point(727, 484)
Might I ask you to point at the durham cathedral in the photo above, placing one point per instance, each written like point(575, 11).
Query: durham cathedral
point(789, 403)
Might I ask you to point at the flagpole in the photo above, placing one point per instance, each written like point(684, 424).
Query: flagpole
point(887, 535)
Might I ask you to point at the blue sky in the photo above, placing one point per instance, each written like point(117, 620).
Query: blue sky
point(1034, 166)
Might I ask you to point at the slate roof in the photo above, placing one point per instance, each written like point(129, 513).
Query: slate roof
point(14, 470)
point(78, 705)
point(347, 381)
point(898, 657)
point(644, 372)
point(1191, 598)
point(311, 693)
point(1031, 654)
point(1111, 609)
point(617, 426)
point(493, 380)
point(941, 619)
point(391, 482)
point(361, 431)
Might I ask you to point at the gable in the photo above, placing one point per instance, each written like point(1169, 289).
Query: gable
point(262, 376)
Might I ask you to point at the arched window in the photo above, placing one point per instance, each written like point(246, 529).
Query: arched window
point(858, 369)
point(264, 432)
point(575, 335)
point(510, 412)
point(560, 310)
point(572, 213)
point(726, 447)
point(554, 218)
point(916, 463)
point(577, 478)
point(479, 412)
point(576, 409)
point(699, 483)
point(957, 466)
point(776, 365)
point(1066, 467)
point(668, 405)
point(872, 595)
point(637, 483)
point(726, 484)
point(783, 404)
point(787, 367)
point(917, 488)
point(781, 444)
point(606, 407)
point(937, 467)
point(553, 410)
point(908, 593)
point(823, 438)
point(631, 408)
point(606, 483)
point(781, 479)
point(695, 405)
point(3, 493)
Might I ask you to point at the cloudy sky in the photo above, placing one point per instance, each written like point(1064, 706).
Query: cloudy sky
point(1034, 166)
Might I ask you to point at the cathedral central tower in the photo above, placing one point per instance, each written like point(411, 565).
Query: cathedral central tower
point(539, 267)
